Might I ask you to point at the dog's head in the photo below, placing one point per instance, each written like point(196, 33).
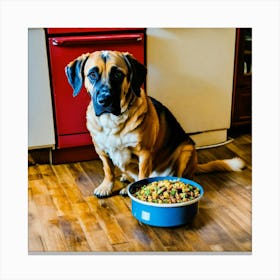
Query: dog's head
point(111, 78)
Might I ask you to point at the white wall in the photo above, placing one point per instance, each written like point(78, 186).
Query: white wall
point(191, 71)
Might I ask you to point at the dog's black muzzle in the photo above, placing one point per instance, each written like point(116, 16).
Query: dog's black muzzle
point(104, 98)
point(106, 102)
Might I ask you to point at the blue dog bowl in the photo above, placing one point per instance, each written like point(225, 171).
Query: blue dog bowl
point(163, 215)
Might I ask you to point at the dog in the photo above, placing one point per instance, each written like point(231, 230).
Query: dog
point(130, 130)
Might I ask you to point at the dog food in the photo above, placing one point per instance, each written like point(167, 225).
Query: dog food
point(166, 191)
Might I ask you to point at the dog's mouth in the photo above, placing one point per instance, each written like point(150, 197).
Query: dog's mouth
point(109, 110)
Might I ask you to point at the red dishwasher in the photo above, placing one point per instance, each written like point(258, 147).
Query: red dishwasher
point(66, 44)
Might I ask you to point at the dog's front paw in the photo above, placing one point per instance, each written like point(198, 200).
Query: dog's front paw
point(125, 178)
point(123, 191)
point(104, 190)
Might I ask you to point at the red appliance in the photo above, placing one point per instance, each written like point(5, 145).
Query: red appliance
point(65, 44)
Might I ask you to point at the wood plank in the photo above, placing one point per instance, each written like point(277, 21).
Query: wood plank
point(35, 243)
point(118, 206)
point(83, 181)
point(96, 237)
point(73, 234)
point(147, 240)
point(94, 170)
point(58, 195)
point(33, 173)
point(193, 240)
point(107, 221)
point(213, 234)
point(237, 233)
point(132, 246)
point(52, 238)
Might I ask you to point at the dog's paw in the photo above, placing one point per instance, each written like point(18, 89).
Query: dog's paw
point(124, 178)
point(103, 190)
point(123, 191)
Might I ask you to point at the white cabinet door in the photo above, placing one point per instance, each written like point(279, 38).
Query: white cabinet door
point(40, 115)
point(190, 70)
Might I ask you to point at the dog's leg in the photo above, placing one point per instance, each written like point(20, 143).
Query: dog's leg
point(105, 188)
point(185, 161)
point(145, 164)
point(129, 176)
point(145, 168)
point(125, 179)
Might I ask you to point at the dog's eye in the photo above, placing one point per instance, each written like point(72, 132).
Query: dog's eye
point(117, 75)
point(93, 75)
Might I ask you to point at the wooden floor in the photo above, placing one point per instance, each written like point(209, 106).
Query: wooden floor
point(64, 216)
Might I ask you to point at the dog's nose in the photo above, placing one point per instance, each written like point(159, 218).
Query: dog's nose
point(104, 98)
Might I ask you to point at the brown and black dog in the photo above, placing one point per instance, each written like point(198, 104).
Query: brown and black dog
point(129, 129)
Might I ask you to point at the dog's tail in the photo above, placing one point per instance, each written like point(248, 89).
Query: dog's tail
point(234, 164)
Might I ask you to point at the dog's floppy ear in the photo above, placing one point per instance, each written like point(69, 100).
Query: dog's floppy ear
point(137, 72)
point(74, 73)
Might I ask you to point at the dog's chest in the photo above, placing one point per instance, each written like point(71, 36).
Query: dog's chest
point(116, 145)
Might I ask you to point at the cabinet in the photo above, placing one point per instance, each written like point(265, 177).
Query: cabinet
point(40, 116)
point(66, 44)
point(242, 84)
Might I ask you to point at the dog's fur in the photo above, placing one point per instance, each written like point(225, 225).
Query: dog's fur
point(129, 129)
